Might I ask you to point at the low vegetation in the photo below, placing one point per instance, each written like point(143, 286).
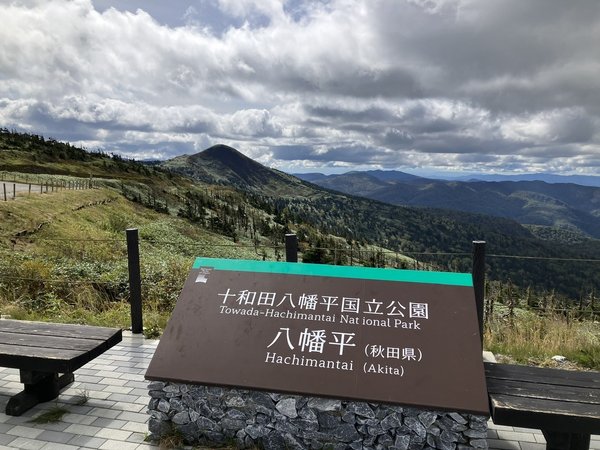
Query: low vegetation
point(534, 334)
point(53, 415)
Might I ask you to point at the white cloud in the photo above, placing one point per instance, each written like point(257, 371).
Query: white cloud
point(385, 83)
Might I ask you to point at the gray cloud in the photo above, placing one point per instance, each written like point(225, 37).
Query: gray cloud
point(388, 83)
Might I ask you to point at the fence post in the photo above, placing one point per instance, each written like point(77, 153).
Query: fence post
point(135, 281)
point(479, 281)
point(4, 185)
point(14, 190)
point(291, 248)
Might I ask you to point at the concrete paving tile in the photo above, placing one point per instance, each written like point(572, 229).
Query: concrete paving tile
point(493, 426)
point(6, 439)
point(147, 446)
point(59, 446)
point(103, 422)
point(118, 357)
point(105, 412)
point(116, 435)
point(140, 392)
point(105, 374)
point(142, 400)
point(117, 389)
point(98, 395)
point(82, 419)
point(492, 434)
point(138, 438)
point(87, 441)
point(77, 428)
point(132, 370)
point(25, 432)
point(113, 381)
point(93, 379)
point(137, 384)
point(56, 426)
point(516, 436)
point(124, 398)
point(80, 409)
point(133, 417)
point(503, 445)
point(25, 443)
point(4, 427)
point(130, 376)
point(55, 436)
point(532, 446)
point(136, 407)
point(136, 427)
point(527, 430)
point(119, 445)
point(19, 420)
point(104, 368)
point(14, 377)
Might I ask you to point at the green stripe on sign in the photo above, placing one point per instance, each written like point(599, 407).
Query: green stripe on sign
point(324, 270)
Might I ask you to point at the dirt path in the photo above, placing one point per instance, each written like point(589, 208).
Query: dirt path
point(10, 190)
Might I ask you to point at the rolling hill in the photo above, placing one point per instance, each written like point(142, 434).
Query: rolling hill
point(563, 206)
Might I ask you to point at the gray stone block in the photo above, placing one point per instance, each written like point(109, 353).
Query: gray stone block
point(287, 407)
point(181, 418)
point(345, 433)
point(324, 404)
point(273, 441)
point(361, 409)
point(402, 441)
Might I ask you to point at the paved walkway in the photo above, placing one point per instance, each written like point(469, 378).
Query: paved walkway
point(113, 414)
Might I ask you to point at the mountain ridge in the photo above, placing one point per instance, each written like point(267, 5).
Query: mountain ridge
point(341, 228)
point(562, 205)
point(224, 165)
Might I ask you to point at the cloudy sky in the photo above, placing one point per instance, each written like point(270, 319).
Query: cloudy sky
point(319, 85)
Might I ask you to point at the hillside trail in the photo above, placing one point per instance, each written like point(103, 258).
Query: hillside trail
point(14, 191)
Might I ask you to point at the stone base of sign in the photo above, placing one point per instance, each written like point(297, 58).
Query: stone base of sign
point(215, 416)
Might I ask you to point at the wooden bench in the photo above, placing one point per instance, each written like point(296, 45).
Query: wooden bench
point(47, 354)
point(564, 404)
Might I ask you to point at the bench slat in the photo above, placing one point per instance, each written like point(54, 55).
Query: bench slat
point(543, 375)
point(56, 329)
point(519, 388)
point(42, 359)
point(48, 342)
point(545, 414)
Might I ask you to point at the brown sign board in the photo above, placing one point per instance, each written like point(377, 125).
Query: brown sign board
point(378, 335)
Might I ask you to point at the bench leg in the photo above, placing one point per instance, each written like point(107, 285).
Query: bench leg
point(39, 387)
point(556, 440)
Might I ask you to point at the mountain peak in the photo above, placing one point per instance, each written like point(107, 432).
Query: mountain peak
point(222, 164)
point(221, 151)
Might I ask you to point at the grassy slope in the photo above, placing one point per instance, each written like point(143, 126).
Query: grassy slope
point(63, 257)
